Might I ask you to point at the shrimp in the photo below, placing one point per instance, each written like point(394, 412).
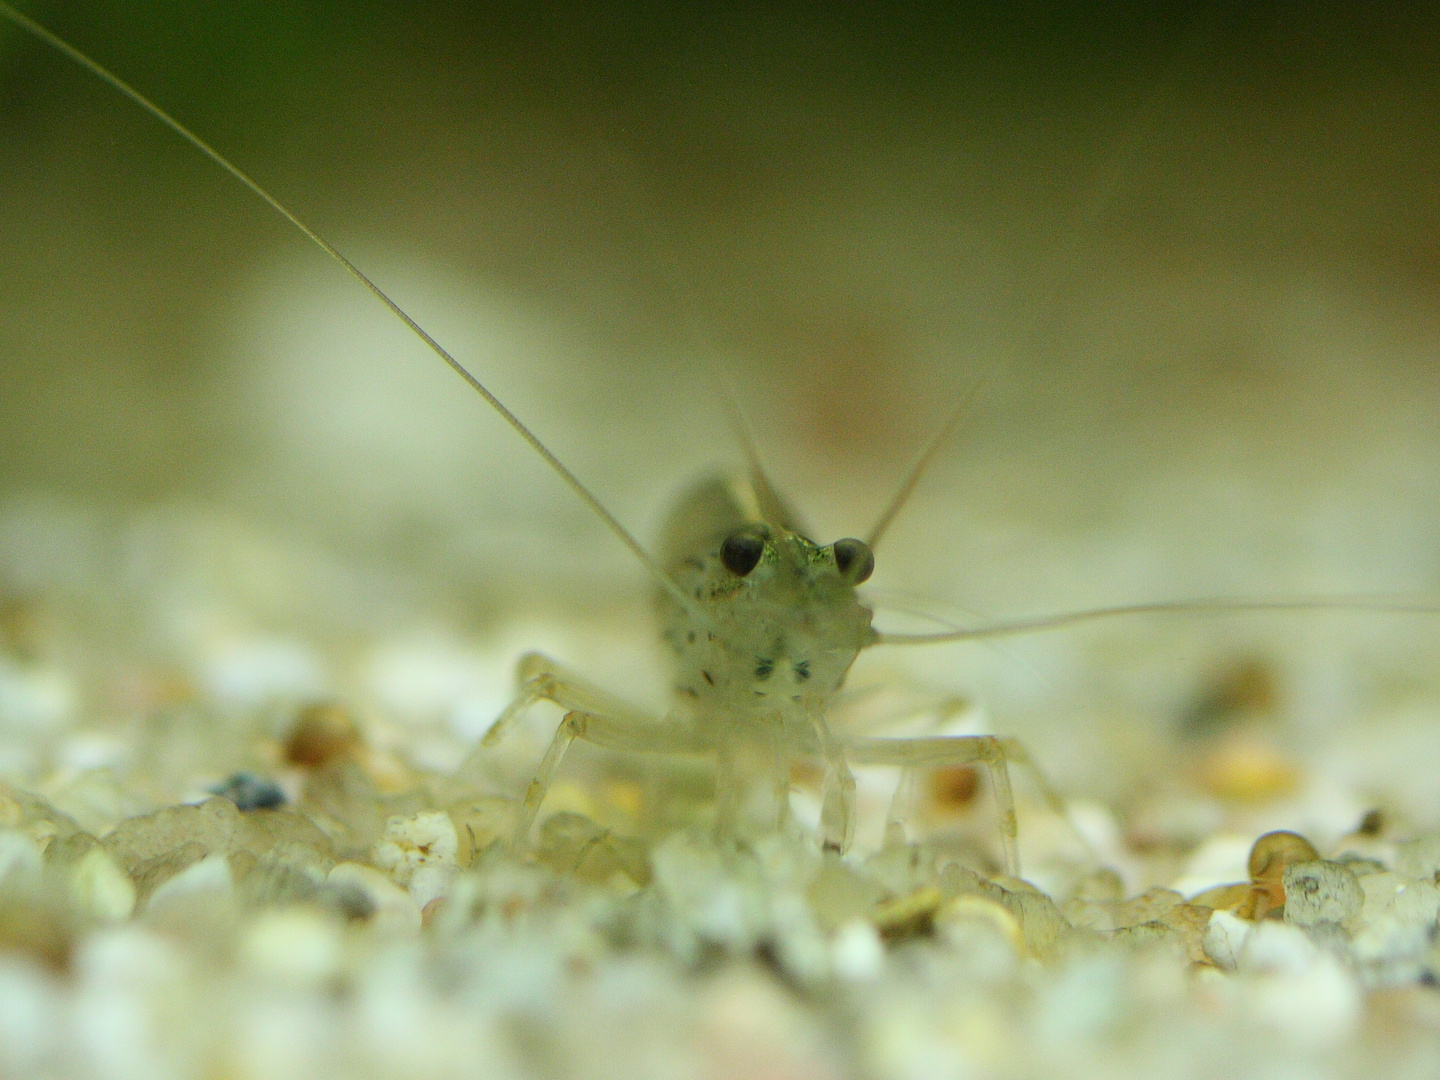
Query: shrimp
point(763, 632)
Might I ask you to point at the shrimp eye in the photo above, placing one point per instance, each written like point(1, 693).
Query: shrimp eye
point(741, 552)
point(854, 559)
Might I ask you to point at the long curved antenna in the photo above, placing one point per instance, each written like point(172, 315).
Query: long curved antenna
point(1084, 218)
point(917, 470)
point(1041, 623)
point(611, 522)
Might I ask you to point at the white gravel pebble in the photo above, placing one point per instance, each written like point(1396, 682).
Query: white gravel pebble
point(297, 945)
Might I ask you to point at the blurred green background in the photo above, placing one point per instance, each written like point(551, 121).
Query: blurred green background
point(1188, 254)
point(861, 210)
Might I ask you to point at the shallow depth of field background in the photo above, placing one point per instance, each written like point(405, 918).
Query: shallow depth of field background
point(1186, 262)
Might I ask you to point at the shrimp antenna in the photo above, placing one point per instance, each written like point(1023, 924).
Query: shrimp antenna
point(1041, 623)
point(917, 470)
point(611, 522)
point(772, 508)
point(1085, 217)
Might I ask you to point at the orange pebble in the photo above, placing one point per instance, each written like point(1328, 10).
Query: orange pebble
point(1274, 851)
point(953, 787)
point(1271, 854)
point(322, 733)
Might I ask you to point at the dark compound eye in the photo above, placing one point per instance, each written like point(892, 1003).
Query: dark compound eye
point(741, 552)
point(855, 560)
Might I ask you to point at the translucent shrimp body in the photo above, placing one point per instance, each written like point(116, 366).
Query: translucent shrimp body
point(776, 643)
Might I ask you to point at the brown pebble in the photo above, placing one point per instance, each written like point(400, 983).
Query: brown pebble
point(322, 733)
point(1373, 823)
point(953, 788)
point(1269, 858)
point(1274, 851)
